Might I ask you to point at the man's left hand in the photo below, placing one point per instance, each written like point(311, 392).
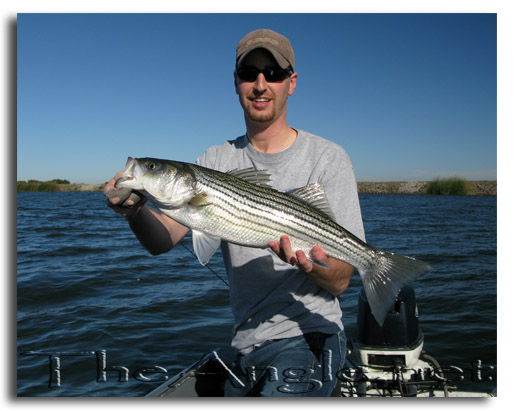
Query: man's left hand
point(284, 250)
point(331, 274)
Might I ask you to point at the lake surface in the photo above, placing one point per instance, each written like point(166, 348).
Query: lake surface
point(86, 285)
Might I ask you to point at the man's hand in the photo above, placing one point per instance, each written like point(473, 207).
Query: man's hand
point(286, 253)
point(334, 279)
point(124, 201)
point(155, 231)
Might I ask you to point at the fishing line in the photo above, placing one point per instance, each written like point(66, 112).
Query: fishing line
point(228, 369)
point(207, 265)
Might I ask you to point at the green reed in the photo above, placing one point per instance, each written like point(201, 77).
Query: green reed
point(34, 185)
point(453, 186)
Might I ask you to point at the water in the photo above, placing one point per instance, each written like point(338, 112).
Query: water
point(86, 285)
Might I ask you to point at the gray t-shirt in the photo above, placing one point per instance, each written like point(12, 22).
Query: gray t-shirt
point(271, 299)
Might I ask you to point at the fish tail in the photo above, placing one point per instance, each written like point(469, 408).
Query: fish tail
point(383, 280)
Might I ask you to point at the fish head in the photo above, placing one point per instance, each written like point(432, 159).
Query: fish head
point(166, 182)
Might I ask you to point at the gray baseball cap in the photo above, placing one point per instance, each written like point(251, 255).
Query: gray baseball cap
point(278, 45)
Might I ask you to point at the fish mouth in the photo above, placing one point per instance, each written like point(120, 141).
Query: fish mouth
point(122, 180)
point(128, 174)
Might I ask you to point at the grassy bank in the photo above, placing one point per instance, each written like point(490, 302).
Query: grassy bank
point(56, 185)
point(34, 185)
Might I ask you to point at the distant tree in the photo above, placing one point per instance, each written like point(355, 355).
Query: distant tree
point(59, 181)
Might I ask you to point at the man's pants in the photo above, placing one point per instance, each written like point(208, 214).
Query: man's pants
point(303, 366)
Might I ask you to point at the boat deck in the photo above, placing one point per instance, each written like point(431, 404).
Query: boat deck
point(206, 378)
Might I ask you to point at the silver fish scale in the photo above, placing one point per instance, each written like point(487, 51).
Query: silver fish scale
point(247, 214)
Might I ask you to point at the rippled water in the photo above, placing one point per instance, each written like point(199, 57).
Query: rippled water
point(86, 285)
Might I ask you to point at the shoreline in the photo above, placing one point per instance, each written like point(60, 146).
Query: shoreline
point(393, 187)
point(483, 187)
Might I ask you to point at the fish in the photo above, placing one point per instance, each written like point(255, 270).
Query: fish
point(241, 207)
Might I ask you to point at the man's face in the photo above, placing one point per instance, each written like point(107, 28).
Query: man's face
point(263, 101)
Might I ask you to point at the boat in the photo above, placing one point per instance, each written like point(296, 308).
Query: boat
point(386, 361)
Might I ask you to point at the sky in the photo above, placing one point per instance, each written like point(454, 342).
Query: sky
point(410, 97)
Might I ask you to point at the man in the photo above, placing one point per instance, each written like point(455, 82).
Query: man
point(288, 330)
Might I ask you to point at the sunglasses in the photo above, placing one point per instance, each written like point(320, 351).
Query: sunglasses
point(272, 75)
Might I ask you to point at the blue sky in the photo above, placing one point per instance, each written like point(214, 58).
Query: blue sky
point(409, 96)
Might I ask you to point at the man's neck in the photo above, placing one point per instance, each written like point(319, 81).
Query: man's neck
point(271, 139)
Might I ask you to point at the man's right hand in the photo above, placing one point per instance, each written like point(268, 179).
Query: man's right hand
point(124, 201)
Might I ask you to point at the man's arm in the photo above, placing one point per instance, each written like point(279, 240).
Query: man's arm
point(334, 279)
point(155, 231)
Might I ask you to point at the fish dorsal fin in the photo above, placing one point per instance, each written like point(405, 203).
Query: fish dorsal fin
point(205, 246)
point(251, 175)
point(315, 195)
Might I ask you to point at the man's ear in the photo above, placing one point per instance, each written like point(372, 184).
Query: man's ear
point(292, 83)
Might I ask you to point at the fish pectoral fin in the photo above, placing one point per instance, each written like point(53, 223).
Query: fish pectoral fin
point(200, 200)
point(205, 246)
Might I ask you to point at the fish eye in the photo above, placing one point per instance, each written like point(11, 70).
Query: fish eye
point(152, 166)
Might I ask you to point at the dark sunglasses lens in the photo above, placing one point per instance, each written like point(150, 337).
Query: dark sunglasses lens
point(248, 74)
point(275, 74)
point(272, 75)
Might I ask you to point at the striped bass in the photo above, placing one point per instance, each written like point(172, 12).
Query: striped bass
point(240, 207)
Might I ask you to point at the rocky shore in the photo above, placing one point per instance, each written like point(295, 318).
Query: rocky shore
point(81, 187)
point(409, 187)
point(420, 187)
